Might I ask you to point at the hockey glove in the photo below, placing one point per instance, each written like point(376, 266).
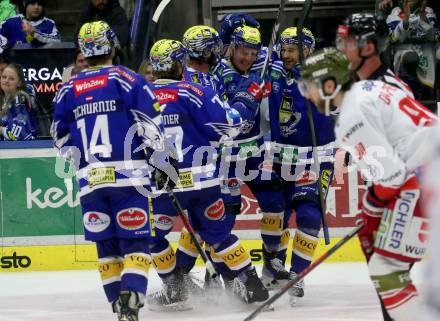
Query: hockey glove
point(371, 214)
point(232, 21)
point(249, 92)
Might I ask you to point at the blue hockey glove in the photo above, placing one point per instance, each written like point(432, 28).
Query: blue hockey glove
point(232, 21)
point(249, 92)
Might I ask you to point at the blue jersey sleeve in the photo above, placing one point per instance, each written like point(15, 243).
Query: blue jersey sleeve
point(60, 126)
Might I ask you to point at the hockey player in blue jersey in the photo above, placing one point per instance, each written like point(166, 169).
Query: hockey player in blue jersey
point(203, 47)
point(246, 154)
point(95, 114)
point(32, 28)
point(291, 133)
point(195, 119)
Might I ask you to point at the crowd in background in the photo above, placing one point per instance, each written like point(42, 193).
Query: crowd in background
point(413, 31)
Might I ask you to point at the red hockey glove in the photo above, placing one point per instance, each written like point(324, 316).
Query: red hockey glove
point(370, 215)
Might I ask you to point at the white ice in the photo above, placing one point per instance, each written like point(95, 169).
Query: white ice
point(334, 292)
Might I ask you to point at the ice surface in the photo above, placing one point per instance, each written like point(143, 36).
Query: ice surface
point(334, 292)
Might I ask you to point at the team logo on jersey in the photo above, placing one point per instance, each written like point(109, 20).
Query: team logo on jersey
point(96, 222)
point(149, 131)
point(226, 129)
point(216, 210)
point(275, 86)
point(132, 218)
point(165, 96)
point(288, 118)
point(82, 86)
point(286, 109)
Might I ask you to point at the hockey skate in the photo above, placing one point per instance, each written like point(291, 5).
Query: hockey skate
point(127, 306)
point(172, 297)
point(252, 290)
point(296, 291)
point(274, 275)
point(228, 283)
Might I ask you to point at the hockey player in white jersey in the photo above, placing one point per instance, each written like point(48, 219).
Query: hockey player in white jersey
point(383, 128)
point(363, 37)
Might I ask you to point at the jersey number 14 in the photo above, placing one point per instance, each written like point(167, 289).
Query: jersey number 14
point(99, 133)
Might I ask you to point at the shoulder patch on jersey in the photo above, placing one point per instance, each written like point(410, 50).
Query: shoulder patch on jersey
point(81, 86)
point(195, 78)
point(166, 95)
point(368, 85)
point(195, 89)
point(275, 74)
point(126, 75)
point(228, 78)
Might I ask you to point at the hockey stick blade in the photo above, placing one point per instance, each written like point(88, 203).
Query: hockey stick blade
point(181, 212)
point(160, 8)
point(301, 275)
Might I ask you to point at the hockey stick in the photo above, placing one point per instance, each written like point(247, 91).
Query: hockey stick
point(160, 8)
point(305, 13)
point(301, 275)
point(273, 38)
point(209, 266)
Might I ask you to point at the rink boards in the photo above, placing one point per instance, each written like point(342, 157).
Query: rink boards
point(41, 226)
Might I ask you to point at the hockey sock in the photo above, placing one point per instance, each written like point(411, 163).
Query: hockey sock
point(110, 265)
point(304, 246)
point(110, 269)
point(164, 258)
point(271, 227)
point(134, 276)
point(186, 253)
point(285, 239)
point(394, 285)
point(233, 254)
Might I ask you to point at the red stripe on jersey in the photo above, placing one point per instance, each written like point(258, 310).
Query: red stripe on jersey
point(400, 297)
